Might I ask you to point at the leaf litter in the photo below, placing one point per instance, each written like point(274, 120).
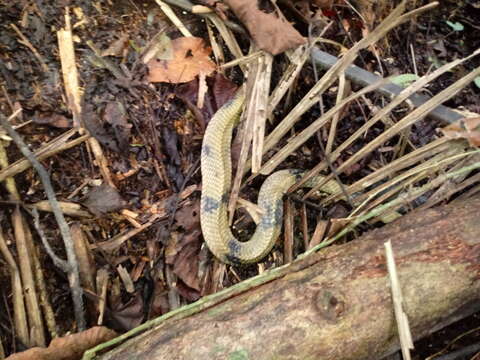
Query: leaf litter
point(151, 143)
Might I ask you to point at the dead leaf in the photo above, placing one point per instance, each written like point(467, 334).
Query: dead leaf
point(170, 139)
point(466, 128)
point(219, 91)
point(188, 217)
point(182, 252)
point(103, 199)
point(159, 304)
point(55, 120)
point(70, 347)
point(338, 211)
point(187, 292)
point(186, 263)
point(127, 316)
point(268, 27)
point(190, 58)
point(439, 46)
point(117, 48)
point(115, 115)
point(174, 170)
point(336, 225)
point(104, 134)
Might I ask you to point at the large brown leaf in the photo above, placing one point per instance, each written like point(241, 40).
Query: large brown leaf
point(190, 58)
point(267, 25)
point(70, 347)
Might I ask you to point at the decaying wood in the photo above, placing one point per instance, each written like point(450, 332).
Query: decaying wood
point(336, 304)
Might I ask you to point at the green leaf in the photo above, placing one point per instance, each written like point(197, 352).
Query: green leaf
point(404, 80)
point(476, 81)
point(456, 26)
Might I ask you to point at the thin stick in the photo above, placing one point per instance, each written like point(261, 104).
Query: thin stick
point(408, 120)
point(43, 297)
point(261, 107)
point(396, 166)
point(406, 342)
point(61, 264)
point(394, 19)
point(288, 238)
point(401, 199)
point(295, 142)
point(19, 314)
point(69, 70)
point(28, 44)
point(115, 242)
point(188, 6)
point(343, 90)
point(36, 267)
point(174, 18)
point(25, 256)
point(73, 275)
point(53, 147)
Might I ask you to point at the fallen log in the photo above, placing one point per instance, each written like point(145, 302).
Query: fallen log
point(335, 304)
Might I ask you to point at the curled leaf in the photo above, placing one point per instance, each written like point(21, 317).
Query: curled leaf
point(70, 347)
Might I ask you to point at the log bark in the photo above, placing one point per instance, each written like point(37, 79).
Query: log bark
point(336, 304)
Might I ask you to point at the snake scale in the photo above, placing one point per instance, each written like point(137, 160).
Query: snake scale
point(216, 179)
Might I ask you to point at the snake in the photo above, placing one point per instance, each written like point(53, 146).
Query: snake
point(216, 168)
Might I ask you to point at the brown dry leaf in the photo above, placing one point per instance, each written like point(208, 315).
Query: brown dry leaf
point(187, 292)
point(188, 217)
point(103, 199)
point(336, 225)
point(129, 315)
point(56, 120)
point(186, 263)
point(219, 91)
point(190, 58)
point(70, 347)
point(268, 27)
point(466, 128)
point(159, 304)
point(116, 116)
point(182, 252)
point(318, 234)
point(118, 47)
point(100, 130)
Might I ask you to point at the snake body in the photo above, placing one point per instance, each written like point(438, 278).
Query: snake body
point(216, 179)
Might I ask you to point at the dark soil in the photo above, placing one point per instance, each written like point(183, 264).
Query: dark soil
point(152, 145)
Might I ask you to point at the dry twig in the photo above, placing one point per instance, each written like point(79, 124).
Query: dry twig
point(406, 342)
point(72, 270)
point(408, 120)
point(19, 314)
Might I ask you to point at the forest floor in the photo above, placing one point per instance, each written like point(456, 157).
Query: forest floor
point(136, 200)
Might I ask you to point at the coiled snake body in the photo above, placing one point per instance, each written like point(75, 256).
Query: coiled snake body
point(216, 179)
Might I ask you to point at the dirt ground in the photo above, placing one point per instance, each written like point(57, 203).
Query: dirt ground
point(151, 144)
